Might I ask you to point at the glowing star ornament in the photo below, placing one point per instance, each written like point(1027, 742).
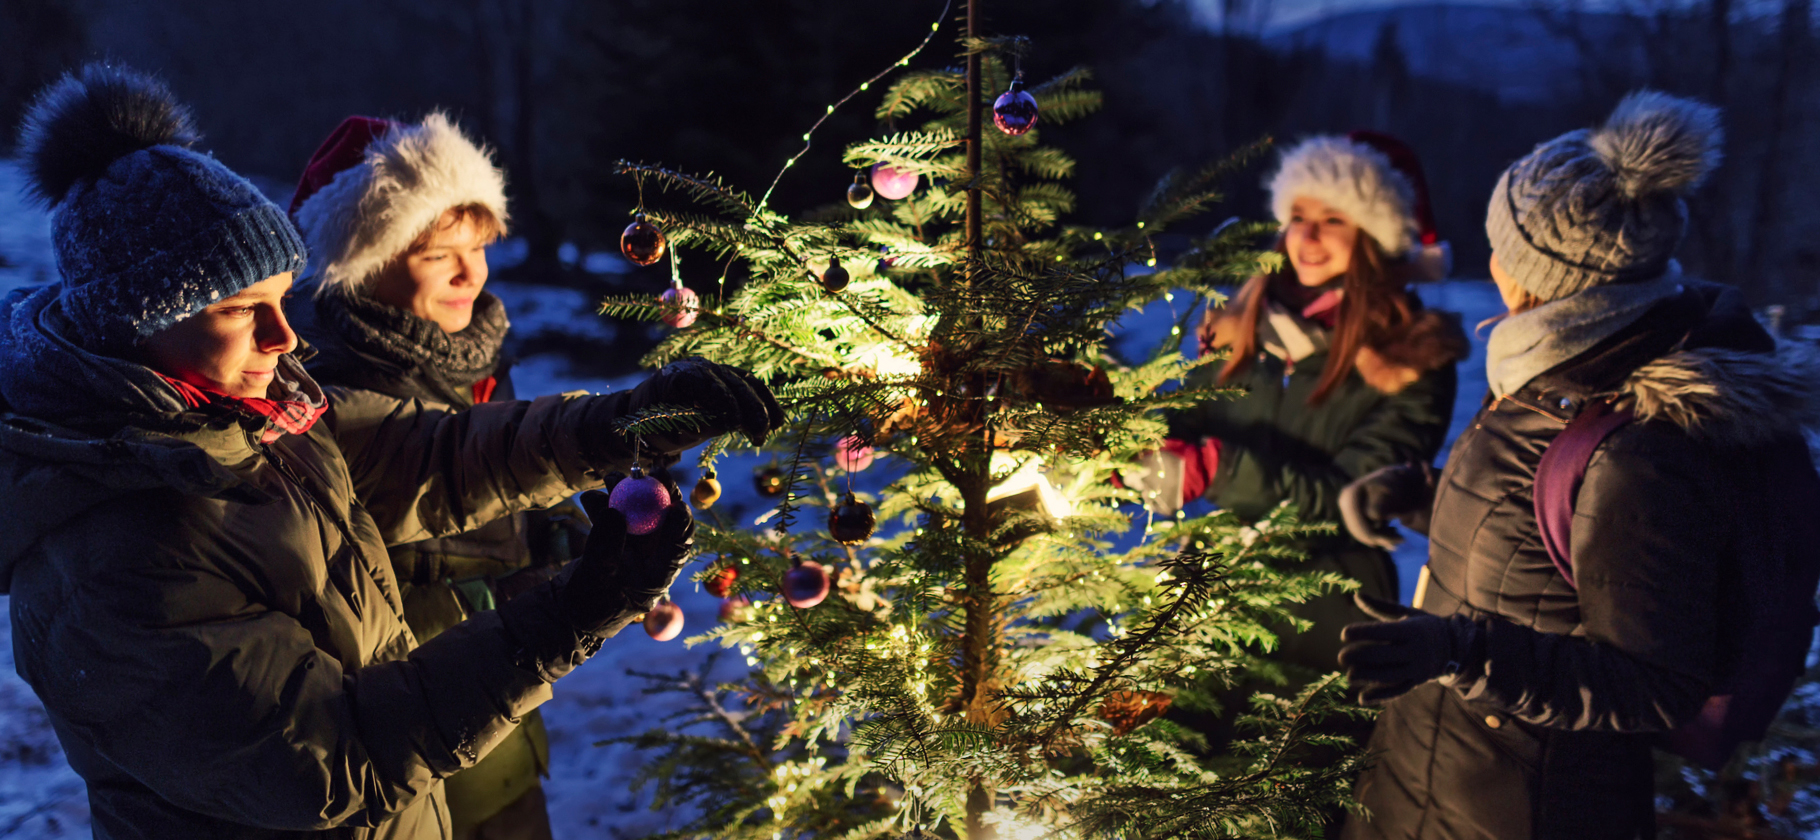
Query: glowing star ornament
point(860, 194)
point(835, 278)
point(707, 491)
point(851, 522)
point(891, 183)
point(852, 454)
point(806, 584)
point(720, 580)
point(681, 306)
point(665, 621)
point(735, 610)
point(1015, 110)
point(642, 242)
point(642, 500)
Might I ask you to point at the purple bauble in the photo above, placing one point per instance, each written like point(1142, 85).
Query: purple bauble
point(806, 584)
point(1015, 111)
point(735, 610)
point(664, 621)
point(891, 183)
point(642, 500)
point(681, 306)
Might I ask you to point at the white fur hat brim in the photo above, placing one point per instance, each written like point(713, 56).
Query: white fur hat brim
point(1353, 178)
point(371, 212)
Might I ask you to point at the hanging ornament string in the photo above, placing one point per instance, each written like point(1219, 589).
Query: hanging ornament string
point(863, 86)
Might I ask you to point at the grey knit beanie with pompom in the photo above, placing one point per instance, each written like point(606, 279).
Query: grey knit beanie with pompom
point(147, 231)
point(1603, 206)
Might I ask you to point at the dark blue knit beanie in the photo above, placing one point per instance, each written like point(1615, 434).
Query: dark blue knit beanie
point(147, 232)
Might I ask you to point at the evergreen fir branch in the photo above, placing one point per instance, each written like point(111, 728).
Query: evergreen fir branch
point(907, 152)
point(1179, 194)
point(658, 419)
point(707, 189)
point(920, 89)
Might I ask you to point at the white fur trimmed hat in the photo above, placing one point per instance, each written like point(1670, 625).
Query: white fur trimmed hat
point(1375, 179)
point(375, 185)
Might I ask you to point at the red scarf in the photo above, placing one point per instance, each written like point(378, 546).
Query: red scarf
point(283, 417)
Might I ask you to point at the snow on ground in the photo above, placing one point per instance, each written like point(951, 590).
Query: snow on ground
point(589, 788)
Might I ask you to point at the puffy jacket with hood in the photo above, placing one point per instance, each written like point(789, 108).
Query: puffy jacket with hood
point(1552, 736)
point(213, 624)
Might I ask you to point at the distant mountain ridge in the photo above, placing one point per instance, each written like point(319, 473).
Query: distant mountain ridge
point(1513, 52)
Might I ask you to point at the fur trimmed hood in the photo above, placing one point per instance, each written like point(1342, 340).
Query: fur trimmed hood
point(1730, 397)
point(370, 212)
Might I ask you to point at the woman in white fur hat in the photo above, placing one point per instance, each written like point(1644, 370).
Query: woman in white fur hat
point(398, 217)
point(1343, 369)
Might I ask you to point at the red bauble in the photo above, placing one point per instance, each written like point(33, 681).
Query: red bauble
point(642, 242)
point(892, 184)
point(1015, 111)
point(806, 584)
point(642, 500)
point(665, 621)
point(735, 610)
point(851, 522)
point(681, 306)
point(720, 580)
point(835, 278)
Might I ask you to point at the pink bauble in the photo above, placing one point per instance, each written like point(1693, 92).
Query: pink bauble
point(686, 306)
point(735, 610)
point(664, 621)
point(806, 584)
point(851, 454)
point(642, 500)
point(892, 184)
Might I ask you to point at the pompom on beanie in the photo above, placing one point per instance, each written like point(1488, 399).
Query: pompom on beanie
point(1602, 206)
point(146, 230)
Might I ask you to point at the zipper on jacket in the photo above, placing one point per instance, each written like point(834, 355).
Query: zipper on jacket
point(347, 533)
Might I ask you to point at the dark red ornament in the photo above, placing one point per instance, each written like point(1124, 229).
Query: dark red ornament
point(642, 242)
point(1015, 110)
point(769, 482)
point(664, 621)
point(836, 277)
point(735, 610)
point(851, 522)
point(642, 500)
point(720, 580)
point(806, 584)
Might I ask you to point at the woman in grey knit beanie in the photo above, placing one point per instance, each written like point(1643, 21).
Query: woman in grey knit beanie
point(1526, 689)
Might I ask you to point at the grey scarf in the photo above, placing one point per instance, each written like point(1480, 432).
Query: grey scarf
point(1525, 345)
point(367, 344)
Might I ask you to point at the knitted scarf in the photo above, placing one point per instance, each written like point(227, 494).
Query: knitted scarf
point(1530, 343)
point(368, 344)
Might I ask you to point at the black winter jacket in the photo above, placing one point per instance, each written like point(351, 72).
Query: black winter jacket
point(1552, 736)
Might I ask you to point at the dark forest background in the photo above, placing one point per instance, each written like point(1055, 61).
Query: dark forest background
point(565, 87)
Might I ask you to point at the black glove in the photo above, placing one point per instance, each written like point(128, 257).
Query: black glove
point(557, 626)
point(729, 400)
point(1400, 491)
point(1404, 648)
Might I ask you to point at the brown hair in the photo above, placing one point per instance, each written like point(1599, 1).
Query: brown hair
point(1373, 312)
point(480, 215)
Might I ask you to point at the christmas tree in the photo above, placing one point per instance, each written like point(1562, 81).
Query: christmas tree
point(976, 651)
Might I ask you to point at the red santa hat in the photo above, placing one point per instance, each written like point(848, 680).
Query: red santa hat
point(1377, 180)
point(376, 185)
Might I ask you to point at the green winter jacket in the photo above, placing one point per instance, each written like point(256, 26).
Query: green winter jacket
point(213, 624)
point(1276, 448)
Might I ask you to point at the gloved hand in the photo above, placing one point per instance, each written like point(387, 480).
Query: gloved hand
point(1399, 491)
point(1404, 648)
point(617, 578)
point(729, 400)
